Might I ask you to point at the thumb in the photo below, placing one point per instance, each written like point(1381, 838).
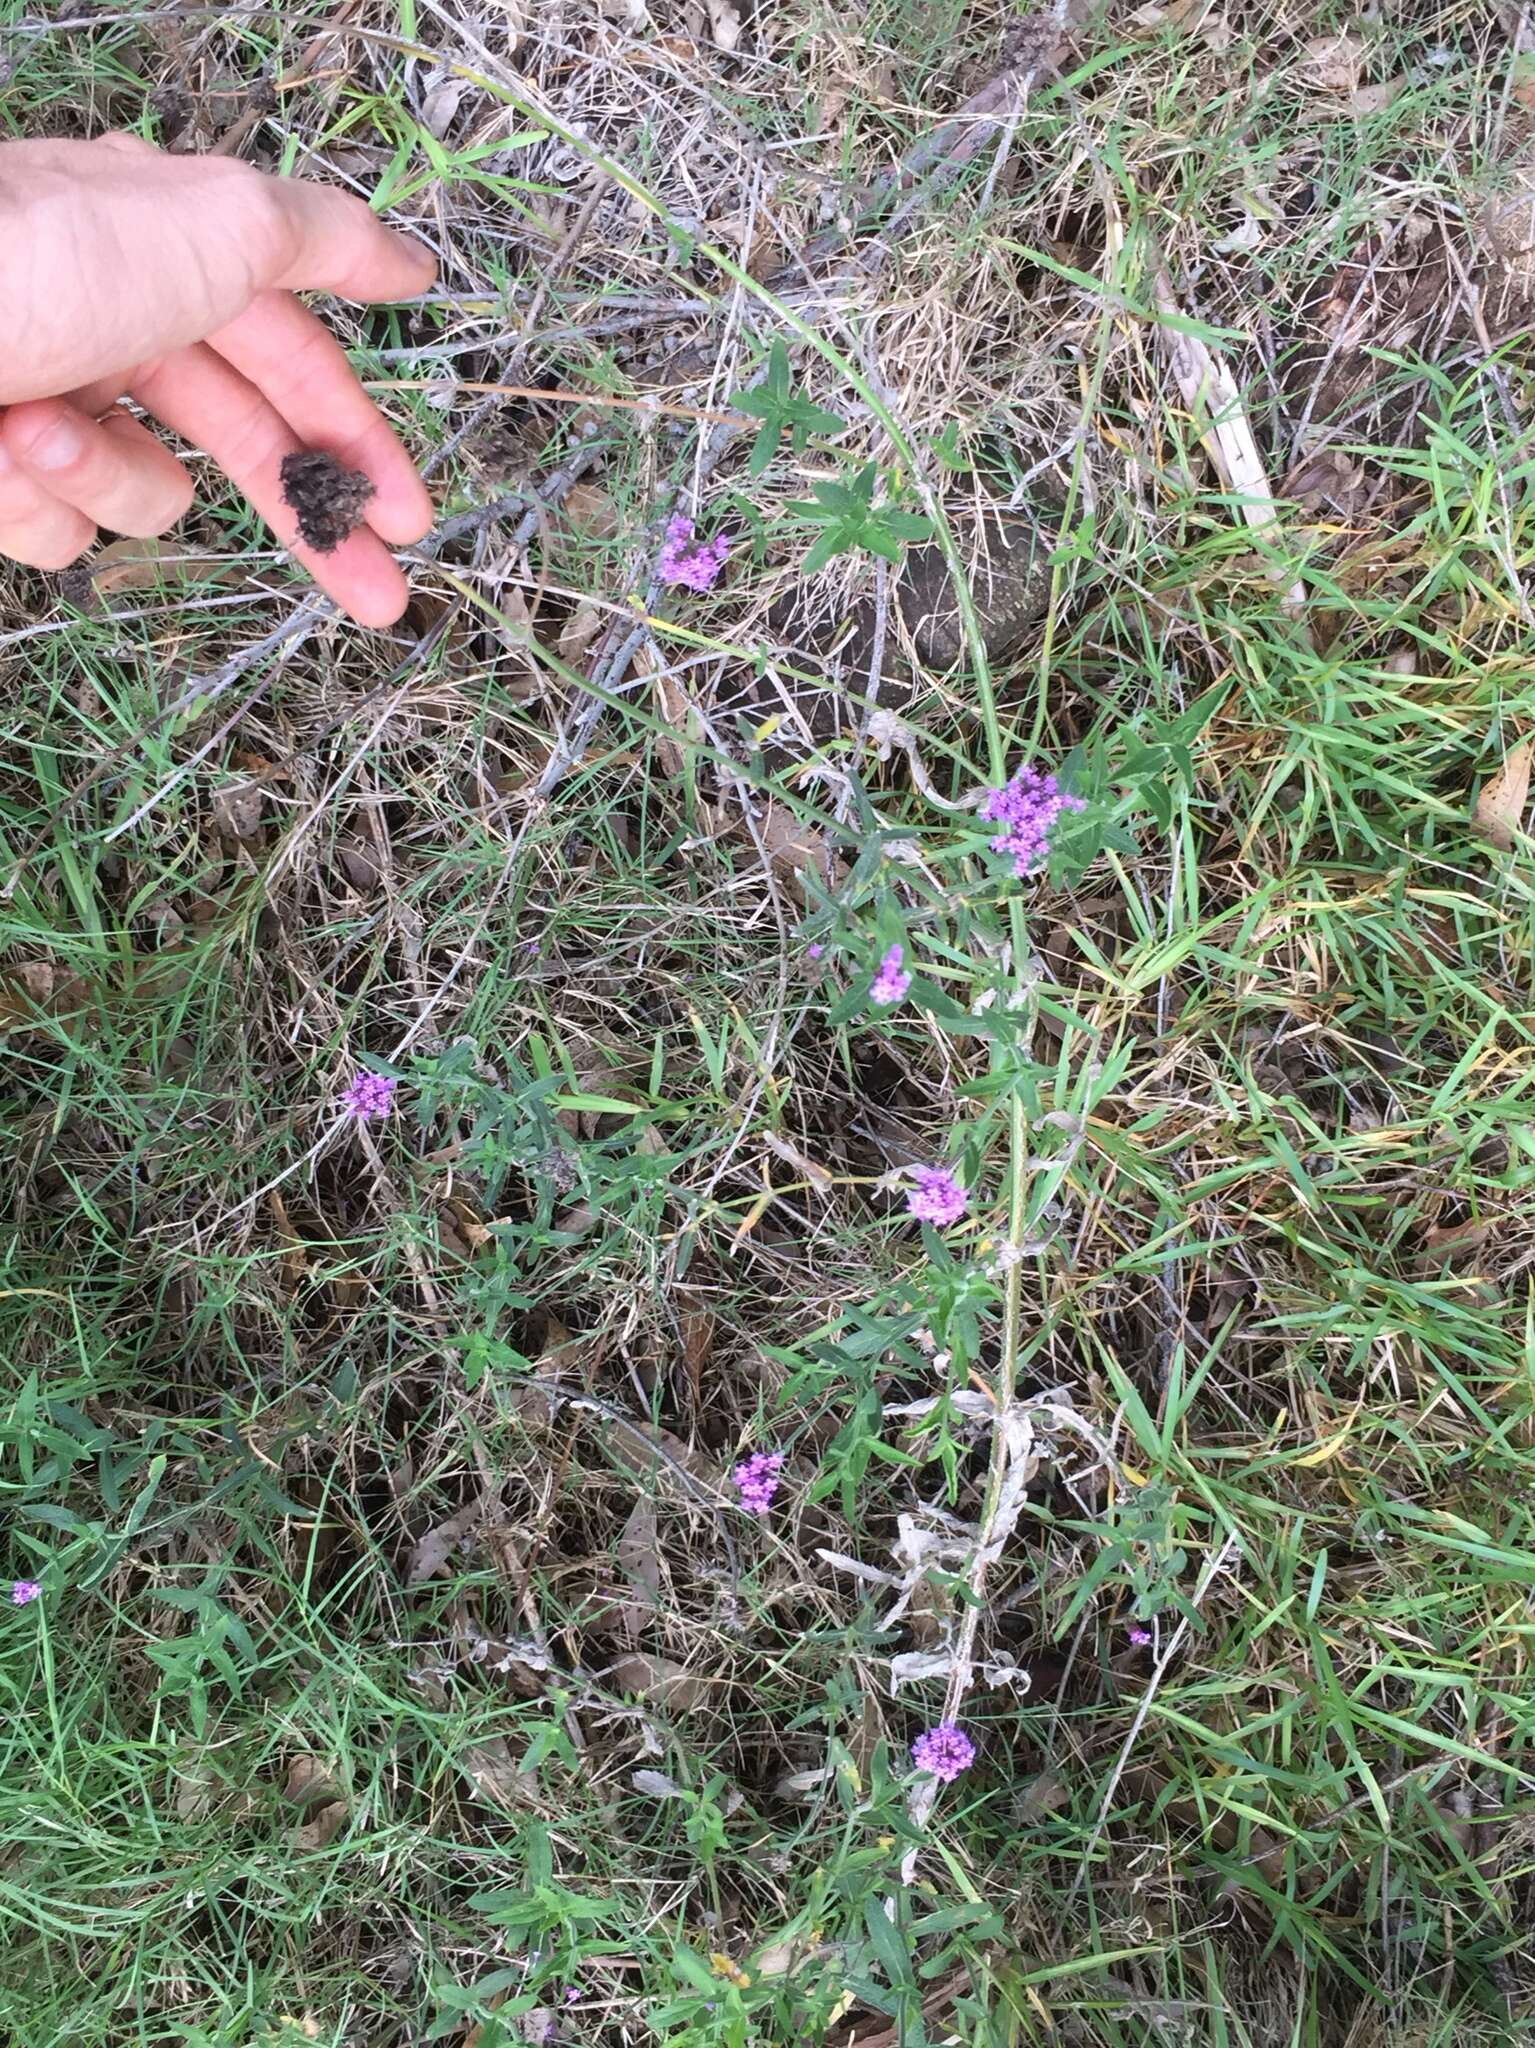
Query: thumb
point(113, 254)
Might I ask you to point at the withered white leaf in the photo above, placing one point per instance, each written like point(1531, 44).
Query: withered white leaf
point(725, 23)
point(656, 1785)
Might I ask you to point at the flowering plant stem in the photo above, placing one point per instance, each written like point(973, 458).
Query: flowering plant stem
point(924, 1794)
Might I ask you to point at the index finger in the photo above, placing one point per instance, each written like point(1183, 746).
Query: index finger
point(335, 243)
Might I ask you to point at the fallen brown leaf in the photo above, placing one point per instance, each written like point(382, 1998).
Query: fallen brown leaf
point(588, 509)
point(309, 1782)
point(793, 847)
point(863, 1735)
point(660, 1681)
point(468, 1222)
point(194, 1788)
point(1374, 99)
point(237, 810)
point(656, 1785)
point(1449, 1243)
point(1265, 1856)
point(638, 1552)
point(651, 1456)
point(437, 1546)
point(695, 1333)
point(295, 1264)
point(1501, 801)
point(725, 23)
point(674, 708)
point(782, 1958)
point(359, 861)
point(1042, 1796)
point(326, 1825)
point(440, 102)
point(492, 1771)
point(1171, 14)
point(580, 630)
point(141, 565)
point(451, 1240)
point(1333, 63)
point(791, 1155)
point(41, 985)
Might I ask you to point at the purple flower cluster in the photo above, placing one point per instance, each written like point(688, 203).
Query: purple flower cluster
point(891, 981)
point(370, 1095)
point(945, 1751)
point(1026, 808)
point(24, 1592)
point(937, 1197)
point(1139, 1637)
point(690, 564)
point(757, 1477)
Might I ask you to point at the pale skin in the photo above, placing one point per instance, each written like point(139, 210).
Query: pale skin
point(169, 282)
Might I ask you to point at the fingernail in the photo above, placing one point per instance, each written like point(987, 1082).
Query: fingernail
point(59, 446)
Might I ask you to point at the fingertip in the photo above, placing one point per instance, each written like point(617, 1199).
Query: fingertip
point(361, 577)
point(53, 560)
point(380, 609)
point(65, 541)
point(418, 255)
point(403, 516)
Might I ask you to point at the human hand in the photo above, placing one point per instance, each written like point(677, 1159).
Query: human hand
point(170, 280)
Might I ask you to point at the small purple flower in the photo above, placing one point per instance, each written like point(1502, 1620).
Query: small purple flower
point(370, 1095)
point(572, 1993)
point(937, 1197)
point(945, 1751)
point(1026, 808)
point(891, 981)
point(814, 950)
point(24, 1592)
point(688, 564)
point(1139, 1637)
point(757, 1477)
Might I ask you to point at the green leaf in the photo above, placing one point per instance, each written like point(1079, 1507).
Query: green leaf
point(837, 498)
point(888, 1944)
point(820, 553)
point(764, 447)
point(810, 419)
point(906, 525)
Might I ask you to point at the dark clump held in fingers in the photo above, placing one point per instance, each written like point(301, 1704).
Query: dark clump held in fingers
point(326, 499)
